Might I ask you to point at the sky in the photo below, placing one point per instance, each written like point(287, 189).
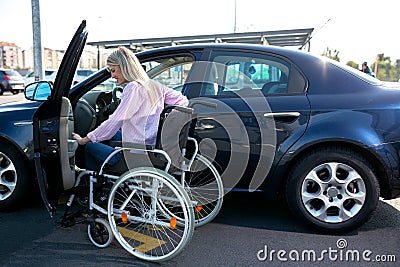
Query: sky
point(359, 30)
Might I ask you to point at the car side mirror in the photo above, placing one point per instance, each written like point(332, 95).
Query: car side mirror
point(38, 91)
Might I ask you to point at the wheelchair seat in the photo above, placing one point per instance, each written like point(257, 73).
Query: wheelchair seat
point(174, 122)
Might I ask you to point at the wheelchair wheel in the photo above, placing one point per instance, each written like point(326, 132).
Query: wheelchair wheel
point(205, 189)
point(100, 235)
point(140, 224)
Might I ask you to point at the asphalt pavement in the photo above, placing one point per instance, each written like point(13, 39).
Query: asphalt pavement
point(250, 230)
point(9, 97)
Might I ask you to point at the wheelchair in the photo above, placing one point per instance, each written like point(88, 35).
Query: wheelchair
point(150, 210)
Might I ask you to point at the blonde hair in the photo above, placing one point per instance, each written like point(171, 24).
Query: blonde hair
point(132, 70)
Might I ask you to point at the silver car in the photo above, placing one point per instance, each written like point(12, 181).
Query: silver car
point(11, 80)
point(30, 77)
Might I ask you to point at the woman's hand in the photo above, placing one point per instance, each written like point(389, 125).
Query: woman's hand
point(81, 140)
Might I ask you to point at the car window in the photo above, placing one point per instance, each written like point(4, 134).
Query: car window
point(106, 86)
point(170, 71)
point(233, 73)
point(84, 72)
point(47, 72)
point(30, 74)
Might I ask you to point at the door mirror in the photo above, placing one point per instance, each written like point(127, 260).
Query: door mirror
point(38, 91)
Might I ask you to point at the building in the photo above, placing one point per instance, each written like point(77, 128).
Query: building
point(52, 59)
point(88, 59)
point(10, 56)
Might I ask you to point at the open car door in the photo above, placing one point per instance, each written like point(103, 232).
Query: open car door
point(53, 125)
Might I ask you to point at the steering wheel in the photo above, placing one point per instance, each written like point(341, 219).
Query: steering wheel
point(116, 92)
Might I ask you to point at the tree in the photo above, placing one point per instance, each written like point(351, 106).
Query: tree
point(332, 55)
point(352, 64)
point(386, 70)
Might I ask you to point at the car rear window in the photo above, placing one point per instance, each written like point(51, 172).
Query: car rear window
point(12, 73)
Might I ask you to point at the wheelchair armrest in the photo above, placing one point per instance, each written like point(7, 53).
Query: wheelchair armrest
point(131, 145)
point(115, 143)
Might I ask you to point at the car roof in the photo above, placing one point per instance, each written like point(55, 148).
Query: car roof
point(266, 48)
point(294, 55)
point(311, 65)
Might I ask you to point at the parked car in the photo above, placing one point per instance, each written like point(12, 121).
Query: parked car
point(11, 80)
point(287, 122)
point(48, 76)
point(80, 75)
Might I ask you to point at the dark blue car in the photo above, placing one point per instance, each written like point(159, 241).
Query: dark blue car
point(289, 123)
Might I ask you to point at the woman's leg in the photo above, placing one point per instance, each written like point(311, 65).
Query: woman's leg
point(117, 136)
point(96, 154)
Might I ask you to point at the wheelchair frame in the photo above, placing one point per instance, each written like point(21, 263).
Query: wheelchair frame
point(153, 193)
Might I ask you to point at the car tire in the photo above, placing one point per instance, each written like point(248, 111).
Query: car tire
point(15, 184)
point(332, 189)
point(14, 92)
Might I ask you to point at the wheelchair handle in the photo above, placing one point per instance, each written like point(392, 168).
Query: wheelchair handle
point(204, 103)
point(184, 109)
point(179, 108)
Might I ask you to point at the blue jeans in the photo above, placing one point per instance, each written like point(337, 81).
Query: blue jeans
point(96, 153)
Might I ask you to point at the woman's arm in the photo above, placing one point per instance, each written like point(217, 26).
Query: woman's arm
point(109, 127)
point(81, 140)
point(173, 97)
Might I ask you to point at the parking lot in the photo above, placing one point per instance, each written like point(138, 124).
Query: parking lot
point(250, 230)
point(9, 97)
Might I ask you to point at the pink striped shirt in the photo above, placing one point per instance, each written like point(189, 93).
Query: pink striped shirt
point(135, 117)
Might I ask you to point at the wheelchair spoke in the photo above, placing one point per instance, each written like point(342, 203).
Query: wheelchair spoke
point(150, 198)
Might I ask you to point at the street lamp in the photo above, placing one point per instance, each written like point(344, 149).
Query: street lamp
point(234, 25)
point(37, 41)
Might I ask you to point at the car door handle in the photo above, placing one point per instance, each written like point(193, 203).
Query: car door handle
point(282, 114)
point(23, 123)
point(286, 117)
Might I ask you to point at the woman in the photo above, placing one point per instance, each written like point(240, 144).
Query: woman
point(137, 115)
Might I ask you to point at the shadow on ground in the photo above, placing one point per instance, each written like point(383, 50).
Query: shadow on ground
point(255, 210)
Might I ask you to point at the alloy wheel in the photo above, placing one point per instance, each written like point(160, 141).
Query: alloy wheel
point(333, 192)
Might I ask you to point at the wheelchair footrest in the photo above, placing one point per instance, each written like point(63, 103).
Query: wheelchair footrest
point(69, 220)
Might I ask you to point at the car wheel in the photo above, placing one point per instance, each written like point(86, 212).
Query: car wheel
point(14, 92)
point(14, 180)
point(332, 189)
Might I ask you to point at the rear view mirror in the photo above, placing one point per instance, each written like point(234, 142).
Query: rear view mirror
point(38, 91)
